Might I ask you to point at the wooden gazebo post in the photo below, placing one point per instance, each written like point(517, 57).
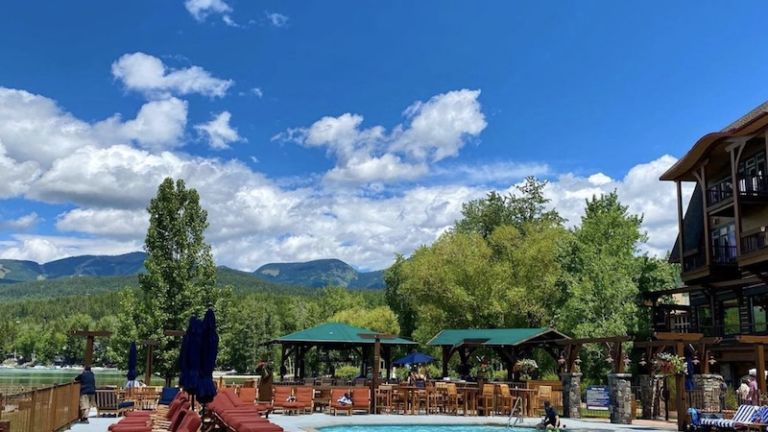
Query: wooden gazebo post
point(377, 337)
point(89, 336)
point(759, 344)
point(150, 344)
point(679, 340)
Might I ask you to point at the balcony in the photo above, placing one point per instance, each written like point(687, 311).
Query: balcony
point(722, 266)
point(754, 251)
point(753, 188)
point(719, 194)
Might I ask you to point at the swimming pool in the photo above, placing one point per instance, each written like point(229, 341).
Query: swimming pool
point(427, 428)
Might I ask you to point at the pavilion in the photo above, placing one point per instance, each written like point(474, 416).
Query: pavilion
point(337, 336)
point(510, 344)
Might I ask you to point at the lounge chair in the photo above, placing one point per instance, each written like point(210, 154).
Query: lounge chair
point(230, 413)
point(760, 420)
point(335, 406)
point(167, 395)
point(247, 394)
point(361, 400)
point(743, 416)
point(280, 396)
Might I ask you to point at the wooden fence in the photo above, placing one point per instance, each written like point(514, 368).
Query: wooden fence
point(46, 409)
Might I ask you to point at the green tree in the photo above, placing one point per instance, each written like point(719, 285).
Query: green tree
point(380, 319)
point(397, 298)
point(180, 277)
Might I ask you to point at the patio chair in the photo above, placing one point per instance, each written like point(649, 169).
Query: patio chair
point(303, 399)
point(361, 400)
point(281, 396)
point(451, 398)
point(322, 399)
point(247, 394)
point(486, 399)
point(504, 399)
point(760, 420)
point(335, 406)
point(167, 395)
point(399, 400)
point(743, 416)
point(544, 393)
point(384, 398)
point(109, 402)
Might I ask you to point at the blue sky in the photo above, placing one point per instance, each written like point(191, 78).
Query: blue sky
point(351, 129)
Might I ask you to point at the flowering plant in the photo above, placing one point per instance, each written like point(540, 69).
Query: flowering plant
point(525, 367)
point(670, 364)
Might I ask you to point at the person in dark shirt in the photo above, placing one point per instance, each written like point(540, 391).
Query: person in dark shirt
point(87, 392)
point(551, 419)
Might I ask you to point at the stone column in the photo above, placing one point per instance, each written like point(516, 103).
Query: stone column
point(650, 394)
point(571, 394)
point(707, 391)
point(620, 392)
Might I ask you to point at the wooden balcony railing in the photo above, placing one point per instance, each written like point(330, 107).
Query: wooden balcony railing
point(46, 409)
point(724, 254)
point(754, 186)
point(717, 194)
point(753, 242)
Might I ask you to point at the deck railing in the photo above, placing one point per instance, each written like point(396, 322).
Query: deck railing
point(753, 242)
point(753, 186)
point(46, 409)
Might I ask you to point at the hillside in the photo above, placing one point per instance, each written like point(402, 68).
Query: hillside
point(12, 271)
point(242, 282)
point(318, 274)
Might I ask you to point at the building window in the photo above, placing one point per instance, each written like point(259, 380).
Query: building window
point(704, 320)
point(752, 167)
point(731, 317)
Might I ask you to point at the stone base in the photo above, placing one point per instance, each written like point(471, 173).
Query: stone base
point(620, 391)
point(706, 393)
point(571, 394)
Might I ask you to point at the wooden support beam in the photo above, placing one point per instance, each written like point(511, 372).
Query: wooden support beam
point(150, 344)
point(680, 393)
point(90, 336)
point(681, 337)
point(760, 360)
point(618, 361)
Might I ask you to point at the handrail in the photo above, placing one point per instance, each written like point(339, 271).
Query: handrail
point(45, 409)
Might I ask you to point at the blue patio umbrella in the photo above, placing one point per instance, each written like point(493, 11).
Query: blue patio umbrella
point(414, 358)
point(182, 359)
point(209, 349)
point(689, 385)
point(190, 372)
point(131, 375)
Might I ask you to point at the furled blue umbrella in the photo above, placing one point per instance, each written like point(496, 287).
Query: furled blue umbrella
point(131, 375)
point(182, 359)
point(209, 349)
point(190, 370)
point(414, 358)
point(689, 385)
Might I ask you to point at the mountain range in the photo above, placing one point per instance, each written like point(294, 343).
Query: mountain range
point(311, 274)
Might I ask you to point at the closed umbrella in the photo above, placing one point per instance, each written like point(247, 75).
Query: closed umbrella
point(131, 375)
point(182, 359)
point(191, 360)
point(414, 358)
point(209, 349)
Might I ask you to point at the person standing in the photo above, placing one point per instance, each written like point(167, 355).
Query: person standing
point(754, 393)
point(87, 382)
point(743, 392)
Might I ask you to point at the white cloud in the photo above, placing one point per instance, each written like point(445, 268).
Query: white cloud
point(258, 92)
point(276, 19)
point(110, 222)
point(435, 129)
point(158, 125)
point(218, 132)
point(202, 9)
point(22, 223)
point(15, 177)
point(48, 248)
point(147, 74)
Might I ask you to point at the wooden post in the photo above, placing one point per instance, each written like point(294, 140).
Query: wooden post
point(680, 393)
point(760, 360)
point(618, 361)
point(680, 224)
point(150, 344)
point(447, 352)
point(172, 333)
point(375, 374)
point(90, 336)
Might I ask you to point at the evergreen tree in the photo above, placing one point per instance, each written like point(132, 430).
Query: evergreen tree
point(180, 276)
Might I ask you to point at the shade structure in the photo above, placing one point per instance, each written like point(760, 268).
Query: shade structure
point(131, 374)
point(209, 349)
point(414, 358)
point(190, 360)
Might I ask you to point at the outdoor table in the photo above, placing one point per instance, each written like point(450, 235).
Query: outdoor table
point(469, 395)
point(526, 395)
point(411, 399)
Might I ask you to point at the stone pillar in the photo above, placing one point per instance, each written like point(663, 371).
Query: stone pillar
point(620, 392)
point(571, 394)
point(650, 395)
point(707, 392)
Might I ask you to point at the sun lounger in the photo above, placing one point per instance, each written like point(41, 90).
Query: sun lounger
point(335, 406)
point(361, 400)
point(744, 415)
point(232, 414)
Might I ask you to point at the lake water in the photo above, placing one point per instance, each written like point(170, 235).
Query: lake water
point(31, 377)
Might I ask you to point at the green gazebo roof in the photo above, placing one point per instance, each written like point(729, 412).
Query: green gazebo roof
point(494, 337)
point(338, 333)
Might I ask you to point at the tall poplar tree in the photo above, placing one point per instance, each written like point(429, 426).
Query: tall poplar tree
point(181, 274)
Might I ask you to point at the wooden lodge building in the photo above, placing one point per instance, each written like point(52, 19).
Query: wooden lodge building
point(721, 245)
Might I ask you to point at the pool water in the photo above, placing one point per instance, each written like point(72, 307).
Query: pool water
point(426, 428)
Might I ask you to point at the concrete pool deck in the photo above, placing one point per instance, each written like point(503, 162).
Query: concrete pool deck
point(308, 423)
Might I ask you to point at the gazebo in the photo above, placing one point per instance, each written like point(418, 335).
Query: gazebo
point(508, 343)
point(336, 336)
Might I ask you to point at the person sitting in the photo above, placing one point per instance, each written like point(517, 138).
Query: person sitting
point(551, 420)
point(346, 399)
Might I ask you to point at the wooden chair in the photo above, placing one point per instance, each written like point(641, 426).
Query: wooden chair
point(451, 398)
point(384, 398)
point(247, 394)
point(504, 399)
point(486, 399)
point(544, 393)
point(108, 402)
point(304, 398)
point(335, 406)
point(281, 396)
point(399, 400)
point(322, 399)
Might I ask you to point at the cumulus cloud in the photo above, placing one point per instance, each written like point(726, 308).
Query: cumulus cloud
point(434, 130)
point(22, 223)
point(218, 132)
point(110, 222)
point(276, 19)
point(202, 9)
point(149, 75)
point(158, 125)
point(48, 248)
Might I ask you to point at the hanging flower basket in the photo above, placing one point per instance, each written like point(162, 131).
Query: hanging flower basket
point(670, 364)
point(525, 367)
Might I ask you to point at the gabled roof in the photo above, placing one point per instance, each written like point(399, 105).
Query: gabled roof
point(494, 337)
point(338, 333)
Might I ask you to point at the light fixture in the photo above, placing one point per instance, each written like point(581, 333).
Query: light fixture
point(643, 362)
point(695, 360)
point(711, 360)
point(561, 360)
point(627, 361)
